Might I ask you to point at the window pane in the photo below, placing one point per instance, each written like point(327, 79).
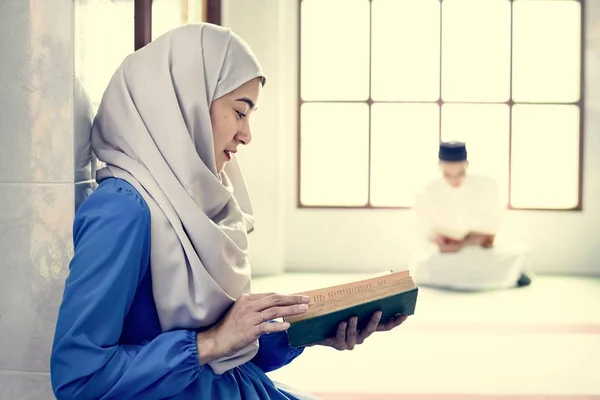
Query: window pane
point(404, 147)
point(405, 50)
point(335, 49)
point(546, 51)
point(476, 50)
point(335, 151)
point(545, 157)
point(485, 130)
point(99, 49)
point(169, 14)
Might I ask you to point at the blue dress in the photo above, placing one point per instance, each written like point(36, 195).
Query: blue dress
point(108, 342)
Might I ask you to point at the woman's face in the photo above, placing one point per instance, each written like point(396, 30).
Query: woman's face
point(230, 120)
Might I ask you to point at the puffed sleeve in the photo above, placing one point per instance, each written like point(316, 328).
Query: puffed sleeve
point(112, 249)
point(275, 352)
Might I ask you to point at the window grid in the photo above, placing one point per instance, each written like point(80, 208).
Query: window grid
point(440, 102)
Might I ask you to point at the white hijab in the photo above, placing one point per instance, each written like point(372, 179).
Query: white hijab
point(153, 130)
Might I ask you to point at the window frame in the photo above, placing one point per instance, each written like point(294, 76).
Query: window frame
point(143, 19)
point(369, 206)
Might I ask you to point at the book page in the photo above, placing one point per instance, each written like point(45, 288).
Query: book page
point(318, 296)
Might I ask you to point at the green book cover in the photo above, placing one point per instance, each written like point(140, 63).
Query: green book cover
point(319, 328)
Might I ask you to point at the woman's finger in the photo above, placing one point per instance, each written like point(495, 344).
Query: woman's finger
point(340, 336)
point(281, 312)
point(392, 323)
point(269, 327)
point(371, 326)
point(351, 333)
point(278, 300)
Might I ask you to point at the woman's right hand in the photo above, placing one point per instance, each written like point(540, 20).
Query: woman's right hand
point(246, 321)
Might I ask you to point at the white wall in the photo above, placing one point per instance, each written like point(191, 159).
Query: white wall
point(258, 22)
point(372, 240)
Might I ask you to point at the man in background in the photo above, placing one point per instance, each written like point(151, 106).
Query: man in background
point(460, 215)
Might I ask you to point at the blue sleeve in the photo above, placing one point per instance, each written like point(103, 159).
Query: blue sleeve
point(275, 352)
point(112, 238)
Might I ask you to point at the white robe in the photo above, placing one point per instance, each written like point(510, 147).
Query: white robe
point(474, 206)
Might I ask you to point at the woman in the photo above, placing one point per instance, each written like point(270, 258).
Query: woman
point(157, 302)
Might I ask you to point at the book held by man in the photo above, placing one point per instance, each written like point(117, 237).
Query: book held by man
point(391, 293)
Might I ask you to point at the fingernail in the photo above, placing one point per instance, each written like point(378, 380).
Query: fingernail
point(302, 307)
point(305, 299)
point(378, 314)
point(285, 325)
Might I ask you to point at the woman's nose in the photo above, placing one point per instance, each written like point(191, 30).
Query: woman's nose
point(244, 135)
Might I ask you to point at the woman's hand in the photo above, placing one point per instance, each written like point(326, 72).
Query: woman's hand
point(348, 336)
point(246, 321)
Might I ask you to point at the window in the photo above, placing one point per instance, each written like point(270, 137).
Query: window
point(383, 81)
point(169, 14)
point(99, 51)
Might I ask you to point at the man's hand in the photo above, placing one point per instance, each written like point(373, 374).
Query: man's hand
point(447, 245)
point(451, 247)
point(479, 239)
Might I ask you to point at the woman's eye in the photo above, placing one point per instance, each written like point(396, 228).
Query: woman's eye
point(240, 114)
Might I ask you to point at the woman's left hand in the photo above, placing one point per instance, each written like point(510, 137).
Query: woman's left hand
point(348, 336)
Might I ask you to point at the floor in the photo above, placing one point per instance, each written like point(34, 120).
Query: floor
point(539, 342)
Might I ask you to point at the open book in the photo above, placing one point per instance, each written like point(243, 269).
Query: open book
point(392, 293)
